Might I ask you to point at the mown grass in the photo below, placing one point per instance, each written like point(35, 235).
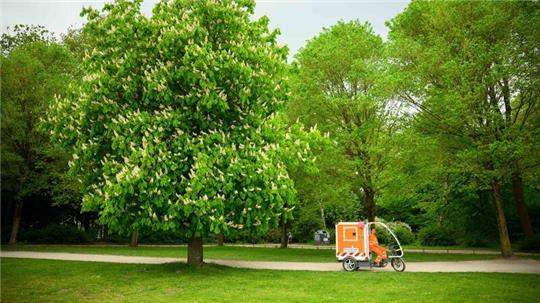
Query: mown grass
point(234, 253)
point(453, 247)
point(25, 280)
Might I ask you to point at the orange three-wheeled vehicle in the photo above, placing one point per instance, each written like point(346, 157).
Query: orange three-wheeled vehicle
point(355, 247)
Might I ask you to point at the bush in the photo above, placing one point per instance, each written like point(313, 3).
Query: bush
point(474, 241)
point(274, 235)
point(168, 237)
point(531, 244)
point(6, 234)
point(434, 235)
point(243, 236)
point(403, 232)
point(116, 238)
point(57, 234)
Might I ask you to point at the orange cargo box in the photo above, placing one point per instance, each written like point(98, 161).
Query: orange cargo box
point(351, 240)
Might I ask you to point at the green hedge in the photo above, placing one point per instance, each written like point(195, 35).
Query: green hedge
point(531, 244)
point(434, 235)
point(57, 234)
point(402, 231)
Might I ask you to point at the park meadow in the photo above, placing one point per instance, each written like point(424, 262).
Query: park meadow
point(180, 151)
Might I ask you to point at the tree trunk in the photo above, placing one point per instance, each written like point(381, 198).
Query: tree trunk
point(442, 213)
point(519, 198)
point(134, 239)
point(284, 238)
point(86, 222)
point(195, 252)
point(369, 202)
point(220, 239)
point(105, 233)
point(323, 219)
point(506, 247)
point(16, 222)
point(7, 214)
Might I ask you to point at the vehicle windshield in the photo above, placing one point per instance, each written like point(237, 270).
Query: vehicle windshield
point(383, 235)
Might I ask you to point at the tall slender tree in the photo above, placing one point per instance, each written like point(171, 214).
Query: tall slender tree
point(336, 88)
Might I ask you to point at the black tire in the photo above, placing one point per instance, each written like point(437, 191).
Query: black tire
point(350, 264)
point(398, 264)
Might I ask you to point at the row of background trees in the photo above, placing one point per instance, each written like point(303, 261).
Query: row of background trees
point(437, 127)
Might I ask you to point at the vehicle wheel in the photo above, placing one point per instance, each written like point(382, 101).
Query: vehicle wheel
point(398, 264)
point(350, 264)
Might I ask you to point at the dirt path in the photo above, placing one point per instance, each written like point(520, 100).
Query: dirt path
point(507, 266)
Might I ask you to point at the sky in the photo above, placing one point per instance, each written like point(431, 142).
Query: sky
point(298, 20)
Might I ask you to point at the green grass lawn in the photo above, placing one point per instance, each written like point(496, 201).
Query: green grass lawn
point(25, 280)
point(453, 247)
point(493, 247)
point(235, 253)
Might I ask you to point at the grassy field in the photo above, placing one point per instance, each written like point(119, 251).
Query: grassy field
point(454, 247)
point(235, 253)
point(25, 280)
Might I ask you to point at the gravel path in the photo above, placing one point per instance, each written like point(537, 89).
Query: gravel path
point(506, 266)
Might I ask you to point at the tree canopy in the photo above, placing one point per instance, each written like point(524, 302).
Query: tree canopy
point(471, 71)
point(336, 87)
point(188, 124)
point(34, 68)
point(173, 125)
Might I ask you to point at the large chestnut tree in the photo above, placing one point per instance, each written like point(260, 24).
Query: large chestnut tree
point(174, 126)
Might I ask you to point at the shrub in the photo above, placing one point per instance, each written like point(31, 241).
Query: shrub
point(6, 233)
point(168, 237)
point(474, 241)
point(531, 244)
point(274, 235)
point(116, 238)
point(303, 230)
point(57, 234)
point(434, 235)
point(403, 232)
point(243, 236)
